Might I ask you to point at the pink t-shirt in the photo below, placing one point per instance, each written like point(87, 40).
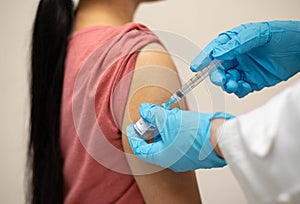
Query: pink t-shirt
point(99, 61)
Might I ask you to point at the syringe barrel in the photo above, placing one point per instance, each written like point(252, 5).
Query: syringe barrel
point(197, 79)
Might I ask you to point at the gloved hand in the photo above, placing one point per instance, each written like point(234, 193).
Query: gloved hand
point(183, 142)
point(256, 55)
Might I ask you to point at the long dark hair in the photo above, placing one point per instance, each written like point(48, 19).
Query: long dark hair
point(52, 26)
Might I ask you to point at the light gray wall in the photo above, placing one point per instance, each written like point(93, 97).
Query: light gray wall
point(15, 24)
point(197, 20)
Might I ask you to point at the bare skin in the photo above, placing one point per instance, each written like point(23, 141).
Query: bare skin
point(215, 124)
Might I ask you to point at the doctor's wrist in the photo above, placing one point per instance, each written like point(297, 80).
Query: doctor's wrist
point(215, 124)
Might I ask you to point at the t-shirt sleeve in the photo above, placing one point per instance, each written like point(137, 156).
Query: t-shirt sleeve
point(134, 41)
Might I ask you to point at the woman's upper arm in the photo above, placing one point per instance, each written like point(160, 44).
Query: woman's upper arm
point(154, 80)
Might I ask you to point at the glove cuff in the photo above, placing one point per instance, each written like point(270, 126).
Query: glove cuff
point(223, 115)
point(214, 159)
point(207, 155)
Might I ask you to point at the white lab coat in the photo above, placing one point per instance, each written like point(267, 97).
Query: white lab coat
point(262, 148)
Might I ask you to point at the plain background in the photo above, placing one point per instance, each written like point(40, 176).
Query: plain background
point(197, 20)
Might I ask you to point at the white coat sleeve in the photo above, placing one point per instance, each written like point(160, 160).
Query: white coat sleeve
point(262, 148)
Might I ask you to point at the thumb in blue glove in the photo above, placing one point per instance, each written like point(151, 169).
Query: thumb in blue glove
point(255, 55)
point(184, 139)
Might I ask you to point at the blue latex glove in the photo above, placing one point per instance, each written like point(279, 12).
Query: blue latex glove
point(183, 142)
point(256, 55)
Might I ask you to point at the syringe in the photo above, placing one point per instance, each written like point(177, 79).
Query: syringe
point(145, 130)
point(191, 83)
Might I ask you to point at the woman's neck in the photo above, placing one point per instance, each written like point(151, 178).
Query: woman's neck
point(107, 12)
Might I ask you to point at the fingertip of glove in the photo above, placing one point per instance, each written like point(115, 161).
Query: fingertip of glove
point(144, 106)
point(244, 89)
point(234, 74)
point(224, 52)
point(200, 62)
point(218, 77)
point(134, 139)
point(145, 110)
point(231, 86)
point(130, 132)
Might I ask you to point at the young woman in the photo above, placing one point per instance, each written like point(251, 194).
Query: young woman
point(85, 88)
